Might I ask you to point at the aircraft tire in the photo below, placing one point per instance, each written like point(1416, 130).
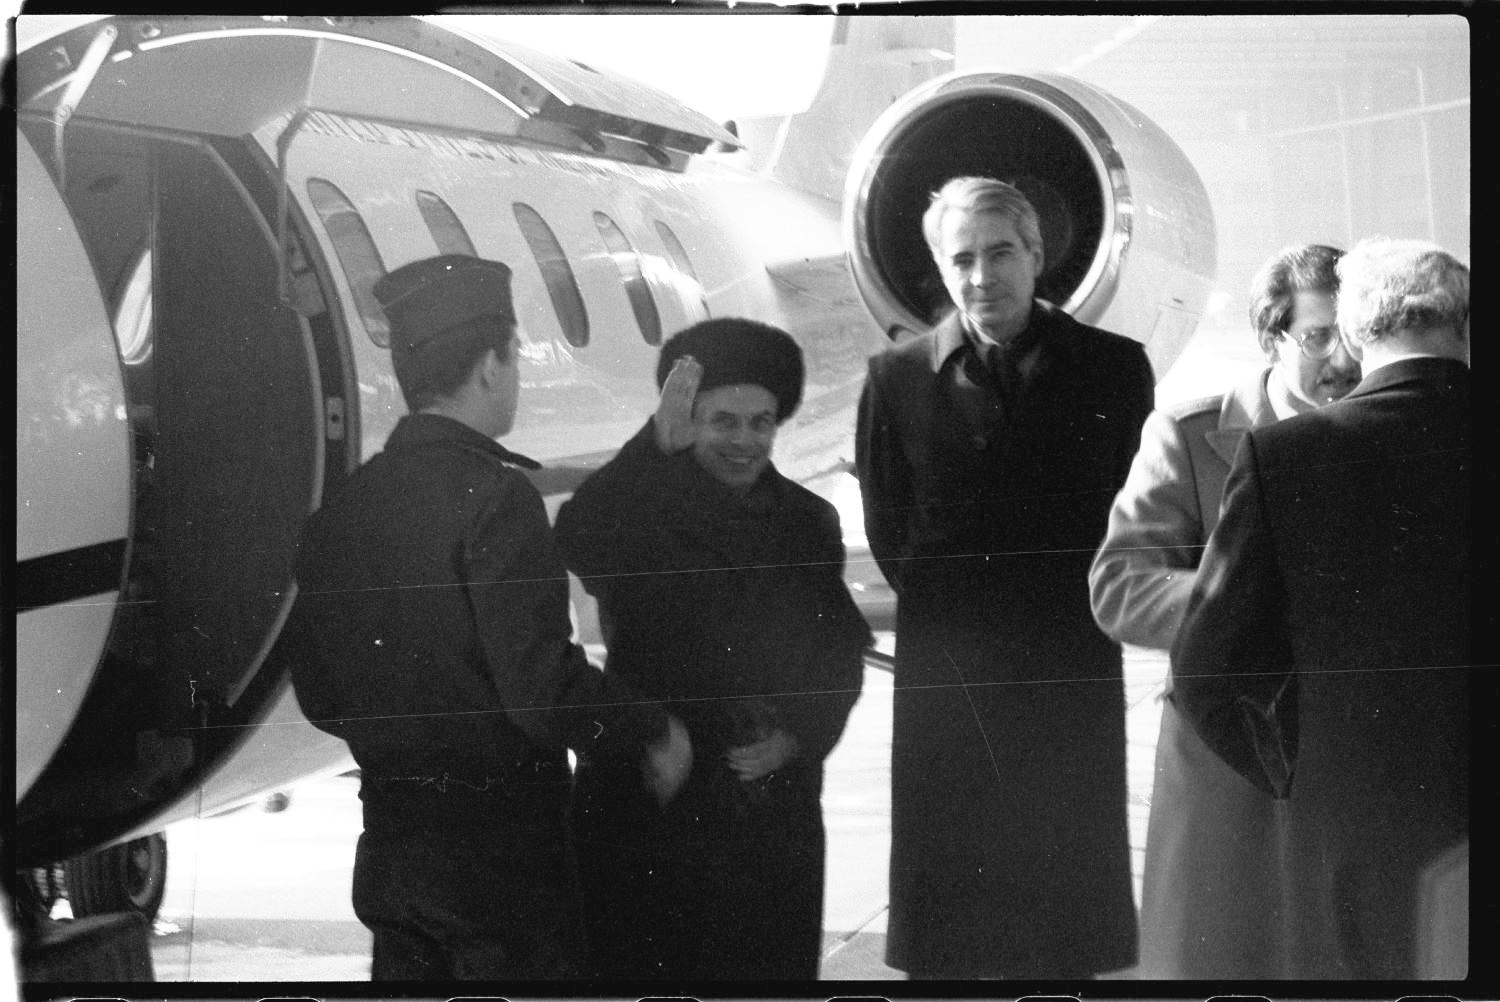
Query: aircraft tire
point(131, 877)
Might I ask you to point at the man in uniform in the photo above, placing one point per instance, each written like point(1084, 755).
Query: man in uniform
point(1210, 907)
point(431, 633)
point(988, 452)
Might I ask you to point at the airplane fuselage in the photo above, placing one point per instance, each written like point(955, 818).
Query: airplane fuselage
point(208, 201)
point(231, 278)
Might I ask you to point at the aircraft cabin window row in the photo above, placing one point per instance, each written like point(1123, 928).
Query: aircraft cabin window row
point(362, 264)
point(629, 263)
point(357, 253)
point(442, 222)
point(682, 262)
point(556, 273)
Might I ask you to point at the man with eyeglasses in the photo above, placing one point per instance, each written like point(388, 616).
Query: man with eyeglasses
point(1209, 902)
point(1325, 654)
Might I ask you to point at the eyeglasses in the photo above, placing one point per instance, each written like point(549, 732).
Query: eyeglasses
point(1316, 342)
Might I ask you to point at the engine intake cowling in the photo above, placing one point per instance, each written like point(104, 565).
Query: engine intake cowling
point(1127, 229)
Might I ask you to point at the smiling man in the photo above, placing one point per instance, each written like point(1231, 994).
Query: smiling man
point(721, 593)
point(733, 430)
point(988, 451)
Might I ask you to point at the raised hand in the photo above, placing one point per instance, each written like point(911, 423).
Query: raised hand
point(668, 762)
point(674, 412)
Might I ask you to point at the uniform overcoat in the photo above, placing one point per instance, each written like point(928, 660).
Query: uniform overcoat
point(1009, 847)
point(1210, 905)
point(1325, 657)
point(431, 632)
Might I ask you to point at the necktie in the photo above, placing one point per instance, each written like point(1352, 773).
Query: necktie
point(1001, 362)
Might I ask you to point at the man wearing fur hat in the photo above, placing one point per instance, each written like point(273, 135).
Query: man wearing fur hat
point(431, 633)
point(721, 593)
point(988, 452)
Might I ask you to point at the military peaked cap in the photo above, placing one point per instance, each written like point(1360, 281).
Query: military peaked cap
point(425, 298)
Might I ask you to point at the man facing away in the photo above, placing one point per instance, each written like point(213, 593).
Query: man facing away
point(1209, 908)
point(431, 633)
point(1326, 649)
point(988, 452)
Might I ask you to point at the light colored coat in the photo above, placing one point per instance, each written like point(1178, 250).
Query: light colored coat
point(1142, 575)
point(1210, 905)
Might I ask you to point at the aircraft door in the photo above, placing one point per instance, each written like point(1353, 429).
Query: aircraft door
point(238, 426)
point(72, 469)
point(223, 459)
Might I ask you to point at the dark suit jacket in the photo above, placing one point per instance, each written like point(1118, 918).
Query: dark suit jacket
point(1326, 649)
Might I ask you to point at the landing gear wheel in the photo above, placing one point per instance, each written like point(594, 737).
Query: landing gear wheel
point(130, 877)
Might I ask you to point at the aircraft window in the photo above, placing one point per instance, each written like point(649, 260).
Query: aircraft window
point(629, 263)
point(447, 232)
point(357, 253)
point(557, 273)
point(133, 316)
point(682, 262)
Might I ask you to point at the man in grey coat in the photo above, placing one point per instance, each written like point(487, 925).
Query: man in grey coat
point(1210, 909)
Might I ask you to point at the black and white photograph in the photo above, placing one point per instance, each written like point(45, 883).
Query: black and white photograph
point(745, 501)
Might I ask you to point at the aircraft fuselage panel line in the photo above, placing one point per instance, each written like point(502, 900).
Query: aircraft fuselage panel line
point(69, 575)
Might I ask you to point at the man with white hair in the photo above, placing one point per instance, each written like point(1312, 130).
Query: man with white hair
point(1326, 650)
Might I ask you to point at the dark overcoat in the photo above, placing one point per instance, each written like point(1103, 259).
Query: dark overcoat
point(1326, 652)
point(1009, 847)
point(431, 632)
point(732, 611)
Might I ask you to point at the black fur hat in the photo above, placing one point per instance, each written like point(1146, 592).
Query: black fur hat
point(735, 350)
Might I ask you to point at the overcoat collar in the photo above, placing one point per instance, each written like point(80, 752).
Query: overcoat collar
point(947, 338)
point(417, 430)
point(1056, 334)
point(1426, 368)
point(1246, 406)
